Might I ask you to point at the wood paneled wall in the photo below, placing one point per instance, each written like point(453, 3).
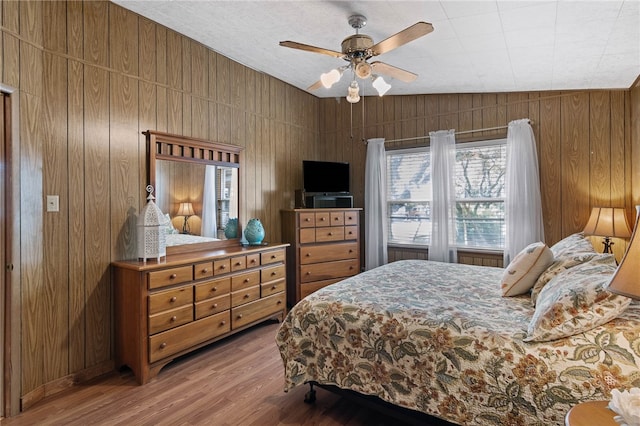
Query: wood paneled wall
point(91, 76)
point(583, 140)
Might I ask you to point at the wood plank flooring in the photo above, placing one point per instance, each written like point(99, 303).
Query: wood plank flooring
point(237, 381)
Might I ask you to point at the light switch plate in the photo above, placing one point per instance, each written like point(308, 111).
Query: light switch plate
point(53, 203)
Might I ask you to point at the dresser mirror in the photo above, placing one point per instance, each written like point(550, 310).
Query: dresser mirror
point(197, 185)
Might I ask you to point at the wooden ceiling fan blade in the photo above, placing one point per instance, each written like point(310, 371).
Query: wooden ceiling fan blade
point(315, 86)
point(314, 49)
point(411, 33)
point(395, 72)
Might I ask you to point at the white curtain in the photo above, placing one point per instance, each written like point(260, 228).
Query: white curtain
point(209, 213)
point(443, 200)
point(523, 205)
point(375, 206)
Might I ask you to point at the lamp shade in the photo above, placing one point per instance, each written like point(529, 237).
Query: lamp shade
point(185, 209)
point(626, 280)
point(608, 222)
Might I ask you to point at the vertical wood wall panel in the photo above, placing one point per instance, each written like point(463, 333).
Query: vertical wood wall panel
point(75, 35)
point(123, 42)
point(96, 32)
point(599, 149)
point(56, 231)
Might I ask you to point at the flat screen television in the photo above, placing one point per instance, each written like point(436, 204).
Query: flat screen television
point(325, 176)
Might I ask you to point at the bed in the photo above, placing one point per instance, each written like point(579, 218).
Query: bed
point(441, 339)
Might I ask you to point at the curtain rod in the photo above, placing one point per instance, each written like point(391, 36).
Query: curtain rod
point(457, 133)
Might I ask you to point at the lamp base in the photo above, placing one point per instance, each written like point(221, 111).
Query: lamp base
point(607, 243)
point(185, 226)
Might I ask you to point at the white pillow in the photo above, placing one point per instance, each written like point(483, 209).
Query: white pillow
point(525, 268)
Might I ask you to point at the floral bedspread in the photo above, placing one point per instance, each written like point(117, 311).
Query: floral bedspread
point(439, 338)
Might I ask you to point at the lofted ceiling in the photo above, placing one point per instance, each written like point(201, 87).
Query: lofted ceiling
point(476, 46)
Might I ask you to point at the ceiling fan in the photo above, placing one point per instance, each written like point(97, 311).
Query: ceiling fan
point(357, 49)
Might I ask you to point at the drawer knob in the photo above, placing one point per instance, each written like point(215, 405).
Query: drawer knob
point(279, 302)
point(173, 299)
point(273, 256)
point(308, 273)
point(214, 289)
point(322, 219)
point(163, 345)
point(349, 217)
point(335, 218)
point(273, 287)
point(307, 219)
point(308, 254)
point(246, 296)
point(215, 305)
point(238, 264)
point(350, 233)
point(205, 270)
point(174, 318)
point(223, 322)
point(239, 316)
point(173, 276)
point(330, 233)
point(246, 280)
point(222, 266)
point(350, 251)
point(253, 261)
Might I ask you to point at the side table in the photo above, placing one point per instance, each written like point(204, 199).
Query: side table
point(591, 413)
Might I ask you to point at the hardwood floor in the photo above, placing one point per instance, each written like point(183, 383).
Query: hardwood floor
point(237, 381)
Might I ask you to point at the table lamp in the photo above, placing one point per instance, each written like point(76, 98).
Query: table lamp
point(608, 222)
point(626, 280)
point(186, 210)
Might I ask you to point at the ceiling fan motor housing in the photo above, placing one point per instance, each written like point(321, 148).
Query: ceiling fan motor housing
point(357, 46)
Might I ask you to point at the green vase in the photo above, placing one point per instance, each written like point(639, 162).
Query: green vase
point(231, 228)
point(254, 232)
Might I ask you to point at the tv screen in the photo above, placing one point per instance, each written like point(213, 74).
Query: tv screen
point(325, 176)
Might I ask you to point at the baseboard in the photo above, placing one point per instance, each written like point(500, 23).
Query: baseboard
point(63, 383)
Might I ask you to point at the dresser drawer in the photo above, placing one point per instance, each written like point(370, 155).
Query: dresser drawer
point(170, 299)
point(350, 232)
point(273, 273)
point(169, 319)
point(213, 288)
point(203, 270)
point(170, 276)
point(323, 219)
point(245, 280)
point(273, 287)
point(253, 260)
point(336, 218)
point(177, 339)
point(246, 314)
point(328, 252)
point(213, 306)
point(308, 288)
point(222, 266)
point(350, 218)
point(307, 220)
point(328, 270)
point(238, 263)
point(333, 233)
point(274, 256)
point(245, 295)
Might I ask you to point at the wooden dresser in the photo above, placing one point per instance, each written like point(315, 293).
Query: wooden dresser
point(324, 248)
point(168, 308)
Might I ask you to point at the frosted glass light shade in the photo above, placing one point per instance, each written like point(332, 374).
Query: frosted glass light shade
point(330, 78)
point(380, 85)
point(354, 95)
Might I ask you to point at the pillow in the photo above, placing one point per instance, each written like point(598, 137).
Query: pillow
point(560, 265)
point(525, 268)
point(574, 243)
point(576, 301)
point(168, 225)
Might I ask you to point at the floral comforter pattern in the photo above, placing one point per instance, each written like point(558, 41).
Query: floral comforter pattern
point(439, 338)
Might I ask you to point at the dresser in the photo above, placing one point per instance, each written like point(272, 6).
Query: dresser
point(324, 248)
point(166, 309)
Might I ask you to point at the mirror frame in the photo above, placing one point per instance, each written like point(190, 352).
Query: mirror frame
point(166, 146)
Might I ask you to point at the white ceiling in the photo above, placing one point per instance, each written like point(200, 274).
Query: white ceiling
point(476, 46)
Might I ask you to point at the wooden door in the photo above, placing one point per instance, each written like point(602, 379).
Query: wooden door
point(3, 259)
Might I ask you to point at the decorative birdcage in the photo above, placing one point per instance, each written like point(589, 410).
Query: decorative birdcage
point(152, 237)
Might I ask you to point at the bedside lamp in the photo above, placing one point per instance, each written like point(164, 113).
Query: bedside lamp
point(608, 222)
point(626, 280)
point(186, 210)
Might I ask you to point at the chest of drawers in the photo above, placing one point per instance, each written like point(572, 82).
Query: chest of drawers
point(324, 248)
point(169, 308)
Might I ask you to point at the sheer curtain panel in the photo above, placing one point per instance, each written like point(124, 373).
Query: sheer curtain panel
point(209, 212)
point(523, 205)
point(443, 206)
point(375, 205)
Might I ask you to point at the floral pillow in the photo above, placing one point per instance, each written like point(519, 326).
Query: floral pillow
point(564, 263)
point(168, 225)
point(525, 268)
point(574, 243)
point(576, 301)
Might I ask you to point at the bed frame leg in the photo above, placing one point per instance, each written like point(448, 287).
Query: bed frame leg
point(310, 397)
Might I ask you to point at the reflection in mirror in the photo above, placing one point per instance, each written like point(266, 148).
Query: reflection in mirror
point(212, 191)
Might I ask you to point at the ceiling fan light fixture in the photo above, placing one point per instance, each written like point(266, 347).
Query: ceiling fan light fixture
point(380, 85)
point(328, 79)
point(363, 70)
point(353, 94)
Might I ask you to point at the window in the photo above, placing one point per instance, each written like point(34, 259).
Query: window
point(480, 172)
